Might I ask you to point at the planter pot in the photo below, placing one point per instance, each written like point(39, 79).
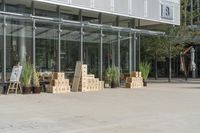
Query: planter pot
point(145, 83)
point(27, 90)
point(36, 90)
point(114, 85)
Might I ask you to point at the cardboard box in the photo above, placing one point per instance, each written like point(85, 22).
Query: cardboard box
point(58, 75)
point(134, 74)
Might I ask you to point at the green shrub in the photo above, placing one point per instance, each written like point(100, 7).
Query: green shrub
point(113, 75)
point(26, 75)
point(145, 68)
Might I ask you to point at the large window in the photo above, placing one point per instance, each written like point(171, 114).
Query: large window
point(124, 51)
point(68, 13)
point(46, 46)
point(46, 10)
point(110, 49)
point(18, 6)
point(70, 48)
point(19, 42)
point(1, 6)
point(92, 50)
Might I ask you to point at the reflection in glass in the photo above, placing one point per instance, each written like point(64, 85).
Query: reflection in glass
point(19, 41)
point(1, 6)
point(110, 51)
point(70, 48)
point(92, 50)
point(124, 51)
point(18, 6)
point(46, 43)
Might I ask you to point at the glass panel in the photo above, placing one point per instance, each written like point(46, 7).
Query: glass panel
point(46, 38)
point(46, 10)
point(68, 13)
point(92, 50)
point(18, 6)
point(1, 46)
point(110, 50)
point(124, 51)
point(19, 42)
point(1, 6)
point(70, 49)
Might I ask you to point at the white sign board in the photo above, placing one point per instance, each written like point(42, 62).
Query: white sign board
point(16, 73)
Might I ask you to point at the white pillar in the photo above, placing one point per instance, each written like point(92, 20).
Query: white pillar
point(22, 46)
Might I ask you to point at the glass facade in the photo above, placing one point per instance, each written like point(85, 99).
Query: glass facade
point(46, 43)
point(91, 50)
point(70, 48)
point(18, 42)
point(18, 6)
point(110, 49)
point(1, 6)
point(125, 54)
point(53, 39)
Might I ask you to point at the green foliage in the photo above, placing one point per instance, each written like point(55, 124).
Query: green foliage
point(36, 80)
point(145, 68)
point(26, 74)
point(113, 74)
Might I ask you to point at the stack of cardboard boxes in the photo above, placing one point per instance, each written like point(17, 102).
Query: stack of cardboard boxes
point(135, 80)
point(89, 82)
point(58, 84)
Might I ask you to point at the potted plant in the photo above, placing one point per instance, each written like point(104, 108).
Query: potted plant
point(113, 76)
point(26, 78)
point(36, 82)
point(145, 69)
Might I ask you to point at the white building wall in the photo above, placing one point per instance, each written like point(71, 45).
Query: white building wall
point(141, 9)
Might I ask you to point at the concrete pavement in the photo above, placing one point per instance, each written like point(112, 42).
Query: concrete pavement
point(159, 108)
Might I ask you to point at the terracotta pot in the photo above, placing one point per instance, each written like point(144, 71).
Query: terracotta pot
point(36, 90)
point(27, 90)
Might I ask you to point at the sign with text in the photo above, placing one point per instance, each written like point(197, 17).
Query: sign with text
point(16, 73)
point(167, 12)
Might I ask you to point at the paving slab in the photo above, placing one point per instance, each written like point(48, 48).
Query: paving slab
point(158, 108)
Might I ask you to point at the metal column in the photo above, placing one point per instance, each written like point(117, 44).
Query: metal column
point(134, 52)
point(34, 28)
point(170, 63)
point(191, 12)
point(139, 54)
point(118, 50)
point(130, 53)
point(4, 43)
point(101, 55)
point(198, 12)
point(59, 42)
point(82, 33)
point(119, 54)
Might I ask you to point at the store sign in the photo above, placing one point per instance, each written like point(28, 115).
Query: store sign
point(166, 12)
